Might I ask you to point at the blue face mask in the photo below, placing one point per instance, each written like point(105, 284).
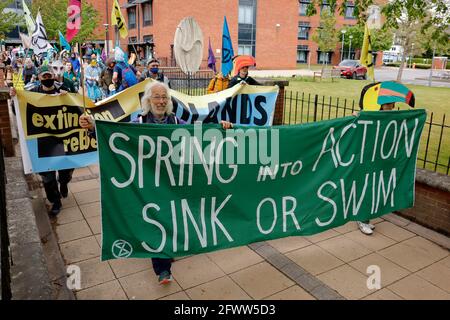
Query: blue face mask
point(154, 70)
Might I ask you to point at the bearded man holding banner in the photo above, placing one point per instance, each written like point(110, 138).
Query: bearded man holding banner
point(50, 179)
point(157, 108)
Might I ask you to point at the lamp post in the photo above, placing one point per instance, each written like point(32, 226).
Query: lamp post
point(106, 38)
point(350, 47)
point(411, 55)
point(343, 31)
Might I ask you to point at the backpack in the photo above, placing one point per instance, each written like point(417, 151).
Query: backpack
point(128, 77)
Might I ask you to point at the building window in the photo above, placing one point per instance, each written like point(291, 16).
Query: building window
point(324, 57)
point(302, 54)
point(349, 10)
point(131, 18)
point(148, 39)
point(148, 45)
point(247, 27)
point(303, 30)
point(325, 6)
point(147, 13)
point(303, 6)
point(246, 50)
point(246, 14)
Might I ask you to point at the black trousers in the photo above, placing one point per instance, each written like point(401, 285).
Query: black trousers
point(51, 183)
point(161, 264)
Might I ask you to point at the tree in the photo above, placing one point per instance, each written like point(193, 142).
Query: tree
point(416, 19)
point(326, 36)
point(428, 44)
point(54, 16)
point(381, 39)
point(8, 19)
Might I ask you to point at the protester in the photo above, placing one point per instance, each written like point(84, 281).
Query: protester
point(92, 76)
point(125, 75)
point(240, 71)
point(50, 179)
point(218, 83)
point(106, 78)
point(70, 75)
point(29, 72)
point(157, 109)
point(382, 96)
point(75, 64)
point(154, 73)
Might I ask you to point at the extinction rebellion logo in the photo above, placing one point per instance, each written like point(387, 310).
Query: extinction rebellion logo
point(121, 249)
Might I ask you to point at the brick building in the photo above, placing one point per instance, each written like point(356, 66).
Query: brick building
point(277, 32)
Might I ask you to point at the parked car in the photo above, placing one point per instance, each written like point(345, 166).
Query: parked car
point(352, 69)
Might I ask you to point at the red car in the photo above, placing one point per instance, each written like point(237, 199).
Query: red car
point(352, 69)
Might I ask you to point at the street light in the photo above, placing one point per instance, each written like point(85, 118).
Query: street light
point(411, 55)
point(106, 38)
point(343, 31)
point(350, 47)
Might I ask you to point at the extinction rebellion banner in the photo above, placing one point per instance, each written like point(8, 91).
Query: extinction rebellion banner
point(170, 191)
point(52, 139)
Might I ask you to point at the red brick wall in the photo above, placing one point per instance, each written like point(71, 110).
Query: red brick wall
point(169, 13)
point(431, 209)
point(276, 47)
point(100, 6)
point(5, 126)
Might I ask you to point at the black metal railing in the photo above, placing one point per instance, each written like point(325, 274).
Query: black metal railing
point(434, 149)
point(192, 84)
point(4, 238)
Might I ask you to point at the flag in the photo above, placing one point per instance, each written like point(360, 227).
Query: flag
point(63, 42)
point(28, 19)
point(366, 53)
point(39, 42)
point(73, 19)
point(227, 50)
point(211, 58)
point(104, 56)
point(118, 20)
point(26, 40)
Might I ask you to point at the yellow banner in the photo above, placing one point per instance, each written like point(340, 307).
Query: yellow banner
point(58, 115)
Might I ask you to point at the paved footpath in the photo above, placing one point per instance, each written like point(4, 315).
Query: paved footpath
point(329, 265)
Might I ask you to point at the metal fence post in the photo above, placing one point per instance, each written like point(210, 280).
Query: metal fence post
point(316, 97)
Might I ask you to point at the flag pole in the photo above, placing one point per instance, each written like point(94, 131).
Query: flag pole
point(82, 77)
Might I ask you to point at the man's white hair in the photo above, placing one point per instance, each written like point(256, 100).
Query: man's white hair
point(146, 102)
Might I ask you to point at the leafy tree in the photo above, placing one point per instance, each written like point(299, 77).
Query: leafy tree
point(415, 20)
point(381, 39)
point(428, 44)
point(54, 17)
point(8, 19)
point(326, 36)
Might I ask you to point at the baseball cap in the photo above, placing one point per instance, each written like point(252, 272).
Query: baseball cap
point(44, 69)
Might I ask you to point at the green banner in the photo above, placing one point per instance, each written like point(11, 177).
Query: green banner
point(170, 191)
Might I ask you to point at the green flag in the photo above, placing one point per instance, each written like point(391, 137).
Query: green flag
point(170, 191)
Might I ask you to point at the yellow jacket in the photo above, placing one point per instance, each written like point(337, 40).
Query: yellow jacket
point(218, 83)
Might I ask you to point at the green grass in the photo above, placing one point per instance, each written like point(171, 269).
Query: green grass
point(311, 67)
point(434, 100)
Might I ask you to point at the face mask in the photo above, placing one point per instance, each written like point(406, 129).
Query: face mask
point(93, 63)
point(154, 70)
point(48, 82)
